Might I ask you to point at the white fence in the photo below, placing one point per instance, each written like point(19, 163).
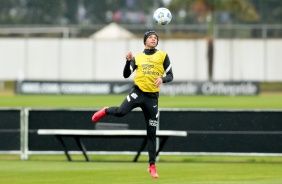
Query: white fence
point(88, 59)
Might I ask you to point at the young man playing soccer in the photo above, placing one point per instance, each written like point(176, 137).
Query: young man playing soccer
point(150, 66)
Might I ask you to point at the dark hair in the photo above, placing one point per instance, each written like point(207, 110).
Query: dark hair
point(148, 33)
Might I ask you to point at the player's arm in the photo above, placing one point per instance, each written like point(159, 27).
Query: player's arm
point(129, 65)
point(168, 70)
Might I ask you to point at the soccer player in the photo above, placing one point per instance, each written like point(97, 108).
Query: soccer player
point(150, 66)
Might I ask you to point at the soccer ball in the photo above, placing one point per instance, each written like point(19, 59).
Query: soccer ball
point(162, 16)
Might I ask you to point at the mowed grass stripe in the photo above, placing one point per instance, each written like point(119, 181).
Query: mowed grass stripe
point(97, 101)
point(29, 172)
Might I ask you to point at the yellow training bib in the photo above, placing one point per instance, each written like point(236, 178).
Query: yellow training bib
point(149, 67)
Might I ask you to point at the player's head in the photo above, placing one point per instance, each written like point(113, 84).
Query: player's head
point(148, 33)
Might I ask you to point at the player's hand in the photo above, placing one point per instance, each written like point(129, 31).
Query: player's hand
point(158, 82)
point(128, 56)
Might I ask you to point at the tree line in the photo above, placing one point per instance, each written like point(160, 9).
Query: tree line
point(67, 12)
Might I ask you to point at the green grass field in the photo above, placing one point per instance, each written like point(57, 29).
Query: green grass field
point(118, 169)
point(266, 101)
point(115, 169)
point(129, 173)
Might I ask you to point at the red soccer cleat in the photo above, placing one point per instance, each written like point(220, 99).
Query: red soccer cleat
point(152, 170)
point(99, 114)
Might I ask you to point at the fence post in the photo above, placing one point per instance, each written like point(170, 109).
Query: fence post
point(24, 134)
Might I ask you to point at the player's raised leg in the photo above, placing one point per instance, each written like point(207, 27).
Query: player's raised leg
point(99, 114)
point(130, 102)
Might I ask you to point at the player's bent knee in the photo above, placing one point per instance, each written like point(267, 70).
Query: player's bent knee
point(120, 113)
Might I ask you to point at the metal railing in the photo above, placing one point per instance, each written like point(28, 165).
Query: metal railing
point(258, 31)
